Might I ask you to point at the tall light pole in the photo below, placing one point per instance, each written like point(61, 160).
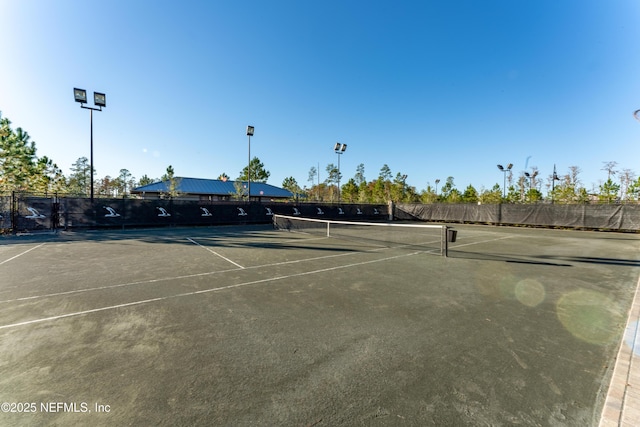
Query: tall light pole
point(554, 178)
point(504, 184)
point(249, 134)
point(404, 183)
point(531, 177)
point(339, 149)
point(99, 99)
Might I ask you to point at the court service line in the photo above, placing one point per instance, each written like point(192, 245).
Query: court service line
point(215, 253)
point(203, 291)
point(28, 250)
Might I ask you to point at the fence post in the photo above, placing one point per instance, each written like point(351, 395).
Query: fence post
point(13, 208)
point(55, 212)
point(445, 231)
point(124, 210)
point(66, 213)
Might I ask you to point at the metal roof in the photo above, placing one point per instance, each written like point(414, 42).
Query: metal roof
point(213, 187)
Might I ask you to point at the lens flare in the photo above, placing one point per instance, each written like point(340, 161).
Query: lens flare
point(530, 292)
point(495, 282)
point(590, 316)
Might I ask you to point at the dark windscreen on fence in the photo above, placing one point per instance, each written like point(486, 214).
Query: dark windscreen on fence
point(608, 217)
point(20, 212)
point(24, 212)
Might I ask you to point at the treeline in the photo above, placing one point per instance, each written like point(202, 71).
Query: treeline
point(525, 188)
point(22, 170)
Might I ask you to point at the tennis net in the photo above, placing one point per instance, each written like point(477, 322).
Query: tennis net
point(424, 237)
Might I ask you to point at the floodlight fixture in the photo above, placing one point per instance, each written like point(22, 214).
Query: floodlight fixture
point(99, 99)
point(339, 149)
point(250, 130)
point(80, 95)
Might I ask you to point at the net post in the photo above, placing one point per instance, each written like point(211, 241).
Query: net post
point(445, 242)
point(328, 235)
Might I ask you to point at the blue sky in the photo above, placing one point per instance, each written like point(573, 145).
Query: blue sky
point(431, 88)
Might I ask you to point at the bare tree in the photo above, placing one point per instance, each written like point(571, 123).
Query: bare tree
point(626, 180)
point(574, 171)
point(610, 167)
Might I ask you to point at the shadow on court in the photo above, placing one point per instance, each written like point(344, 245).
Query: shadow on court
point(504, 258)
point(235, 326)
point(558, 261)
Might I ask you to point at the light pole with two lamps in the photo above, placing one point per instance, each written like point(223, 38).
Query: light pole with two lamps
point(250, 130)
point(554, 178)
point(504, 184)
point(531, 177)
point(100, 101)
point(339, 149)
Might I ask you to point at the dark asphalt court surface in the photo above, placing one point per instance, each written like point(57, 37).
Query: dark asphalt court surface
point(249, 326)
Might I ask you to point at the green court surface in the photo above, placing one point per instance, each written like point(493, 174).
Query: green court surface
point(251, 326)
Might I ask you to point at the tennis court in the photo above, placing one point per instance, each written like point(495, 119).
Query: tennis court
point(251, 326)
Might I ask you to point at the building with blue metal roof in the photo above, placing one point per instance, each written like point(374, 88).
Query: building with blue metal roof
point(212, 190)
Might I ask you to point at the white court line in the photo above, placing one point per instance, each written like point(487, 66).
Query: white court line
point(186, 294)
point(214, 252)
point(28, 250)
point(210, 273)
point(615, 406)
point(632, 370)
point(187, 276)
